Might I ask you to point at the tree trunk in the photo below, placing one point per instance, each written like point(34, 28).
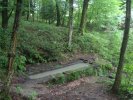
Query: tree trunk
point(118, 77)
point(13, 45)
point(70, 22)
point(79, 10)
point(27, 15)
point(33, 16)
point(64, 15)
point(4, 14)
point(33, 9)
point(28, 12)
point(83, 18)
point(49, 21)
point(10, 14)
point(38, 14)
point(58, 14)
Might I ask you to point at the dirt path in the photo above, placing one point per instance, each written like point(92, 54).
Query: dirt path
point(88, 88)
point(82, 89)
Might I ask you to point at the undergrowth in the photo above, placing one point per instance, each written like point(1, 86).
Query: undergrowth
point(40, 42)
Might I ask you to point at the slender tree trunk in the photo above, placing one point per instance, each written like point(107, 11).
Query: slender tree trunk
point(27, 15)
point(49, 21)
point(79, 10)
point(70, 22)
point(33, 16)
point(64, 15)
point(10, 14)
point(33, 10)
point(28, 12)
point(37, 16)
point(118, 77)
point(58, 14)
point(13, 45)
point(33, 2)
point(4, 14)
point(83, 18)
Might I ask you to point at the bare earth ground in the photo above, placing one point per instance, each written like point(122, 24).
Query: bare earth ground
point(82, 89)
point(88, 88)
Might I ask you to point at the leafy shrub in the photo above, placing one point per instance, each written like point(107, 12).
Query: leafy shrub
point(4, 49)
point(20, 62)
point(73, 76)
point(33, 95)
point(4, 39)
point(4, 46)
point(127, 81)
point(3, 60)
point(58, 80)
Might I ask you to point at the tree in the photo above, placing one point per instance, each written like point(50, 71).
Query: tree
point(101, 14)
point(83, 18)
point(70, 22)
point(4, 14)
point(64, 12)
point(118, 77)
point(48, 10)
point(33, 9)
point(29, 10)
point(26, 9)
point(13, 46)
point(79, 3)
point(58, 13)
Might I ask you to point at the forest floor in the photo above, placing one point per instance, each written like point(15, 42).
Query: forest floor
point(87, 88)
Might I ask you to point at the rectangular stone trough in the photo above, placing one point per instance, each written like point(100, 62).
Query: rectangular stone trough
point(74, 67)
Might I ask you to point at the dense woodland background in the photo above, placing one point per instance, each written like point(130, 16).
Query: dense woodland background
point(43, 31)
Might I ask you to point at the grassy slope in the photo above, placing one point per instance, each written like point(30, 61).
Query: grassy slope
point(40, 42)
